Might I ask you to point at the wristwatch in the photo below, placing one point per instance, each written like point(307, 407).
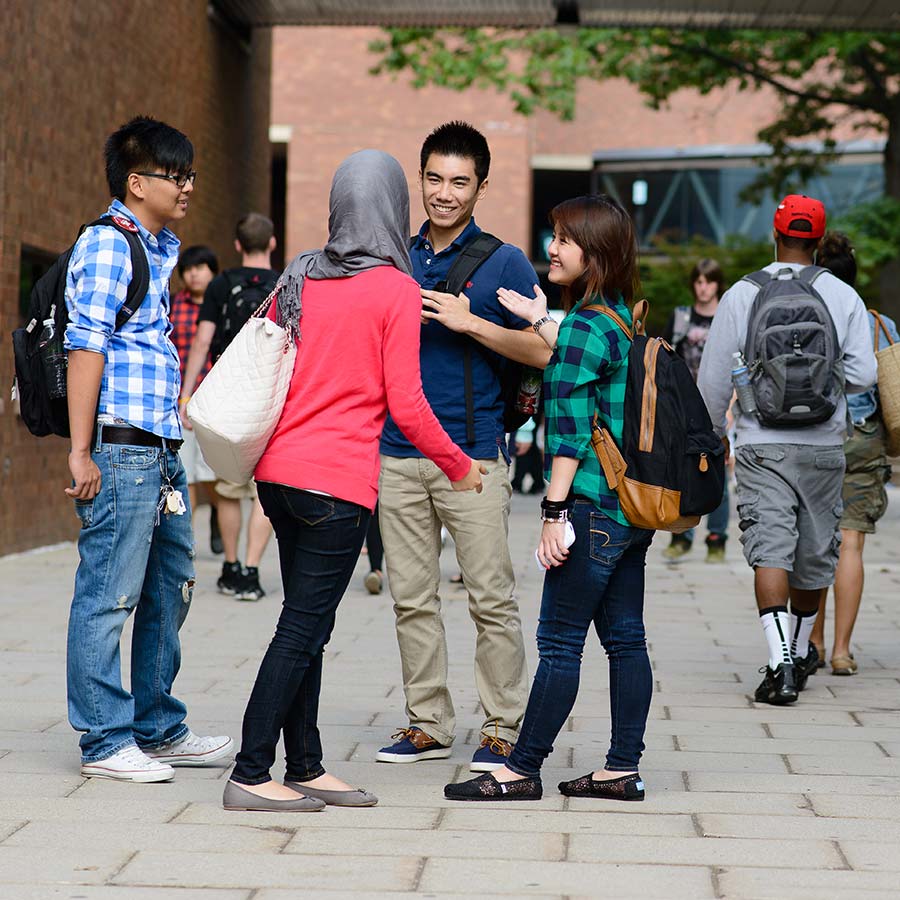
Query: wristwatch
point(540, 323)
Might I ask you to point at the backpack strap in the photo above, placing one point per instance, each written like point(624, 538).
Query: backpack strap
point(470, 258)
point(140, 268)
point(809, 274)
point(760, 278)
point(601, 308)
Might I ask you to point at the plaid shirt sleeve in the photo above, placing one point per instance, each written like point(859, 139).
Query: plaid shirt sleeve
point(590, 349)
point(96, 287)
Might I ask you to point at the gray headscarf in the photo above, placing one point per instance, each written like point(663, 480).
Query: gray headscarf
point(368, 226)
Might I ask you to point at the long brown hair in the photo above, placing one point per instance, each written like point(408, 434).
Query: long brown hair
point(605, 234)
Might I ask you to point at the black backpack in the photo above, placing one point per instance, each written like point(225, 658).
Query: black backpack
point(40, 380)
point(244, 294)
point(792, 350)
point(519, 383)
point(670, 468)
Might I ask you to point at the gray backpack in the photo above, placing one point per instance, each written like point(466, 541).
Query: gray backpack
point(796, 364)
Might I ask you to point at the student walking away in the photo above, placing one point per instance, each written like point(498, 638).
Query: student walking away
point(597, 580)
point(135, 546)
point(791, 384)
point(868, 470)
point(687, 331)
point(197, 266)
point(467, 338)
point(357, 309)
point(230, 299)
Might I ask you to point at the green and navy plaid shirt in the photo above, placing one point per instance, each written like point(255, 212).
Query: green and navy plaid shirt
point(586, 374)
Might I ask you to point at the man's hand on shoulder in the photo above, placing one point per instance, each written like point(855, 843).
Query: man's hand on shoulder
point(451, 311)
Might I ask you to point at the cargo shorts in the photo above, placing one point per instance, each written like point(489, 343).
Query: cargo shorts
point(789, 506)
point(868, 470)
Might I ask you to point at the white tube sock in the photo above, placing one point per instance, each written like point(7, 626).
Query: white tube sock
point(776, 625)
point(801, 629)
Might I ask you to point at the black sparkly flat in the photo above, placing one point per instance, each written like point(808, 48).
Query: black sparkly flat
point(628, 787)
point(486, 787)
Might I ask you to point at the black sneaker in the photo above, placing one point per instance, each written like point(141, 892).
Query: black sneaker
point(779, 687)
point(215, 536)
point(806, 666)
point(232, 578)
point(250, 588)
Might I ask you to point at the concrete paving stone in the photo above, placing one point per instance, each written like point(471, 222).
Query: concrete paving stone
point(703, 851)
point(816, 734)
point(736, 732)
point(736, 698)
point(761, 712)
point(797, 746)
point(871, 855)
point(528, 879)
point(689, 761)
point(793, 784)
point(432, 796)
point(690, 802)
point(805, 884)
point(89, 864)
point(40, 786)
point(38, 741)
point(334, 817)
point(853, 806)
point(131, 835)
point(587, 821)
point(793, 828)
point(179, 790)
point(291, 894)
point(9, 826)
point(242, 870)
point(77, 811)
point(879, 719)
point(847, 765)
point(483, 844)
point(118, 892)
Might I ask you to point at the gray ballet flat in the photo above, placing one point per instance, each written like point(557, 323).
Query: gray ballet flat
point(359, 797)
point(236, 798)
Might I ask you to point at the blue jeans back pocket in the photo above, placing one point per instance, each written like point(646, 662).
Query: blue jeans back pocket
point(609, 539)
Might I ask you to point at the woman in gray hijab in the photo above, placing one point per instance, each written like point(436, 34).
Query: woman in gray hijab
point(355, 311)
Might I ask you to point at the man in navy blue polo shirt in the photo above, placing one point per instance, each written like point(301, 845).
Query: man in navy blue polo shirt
point(416, 498)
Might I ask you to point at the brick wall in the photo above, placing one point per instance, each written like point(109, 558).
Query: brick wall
point(72, 73)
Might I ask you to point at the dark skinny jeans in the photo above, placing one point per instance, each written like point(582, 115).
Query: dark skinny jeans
point(319, 539)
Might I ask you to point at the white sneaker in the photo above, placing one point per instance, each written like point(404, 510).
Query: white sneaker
point(192, 750)
point(129, 764)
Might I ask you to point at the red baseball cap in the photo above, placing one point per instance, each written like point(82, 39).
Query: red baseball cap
point(799, 206)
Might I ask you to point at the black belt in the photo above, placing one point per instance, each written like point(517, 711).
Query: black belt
point(126, 434)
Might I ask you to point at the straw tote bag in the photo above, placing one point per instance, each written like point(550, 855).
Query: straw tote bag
point(237, 406)
point(888, 385)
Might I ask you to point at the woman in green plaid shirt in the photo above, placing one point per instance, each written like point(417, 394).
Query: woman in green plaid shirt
point(599, 578)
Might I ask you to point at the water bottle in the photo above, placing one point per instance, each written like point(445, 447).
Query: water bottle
point(529, 391)
point(740, 377)
point(53, 358)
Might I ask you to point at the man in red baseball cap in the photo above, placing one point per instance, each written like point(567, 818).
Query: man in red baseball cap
point(800, 216)
point(804, 336)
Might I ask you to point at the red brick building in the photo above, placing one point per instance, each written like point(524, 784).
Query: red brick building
point(71, 73)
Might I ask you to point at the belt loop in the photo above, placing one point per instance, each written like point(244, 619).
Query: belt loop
point(99, 442)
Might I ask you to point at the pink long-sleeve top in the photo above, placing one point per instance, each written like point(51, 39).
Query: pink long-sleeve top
point(359, 356)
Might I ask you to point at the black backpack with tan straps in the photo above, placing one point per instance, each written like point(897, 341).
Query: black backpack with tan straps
point(670, 467)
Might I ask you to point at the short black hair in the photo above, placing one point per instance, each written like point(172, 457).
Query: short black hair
point(836, 254)
point(144, 144)
point(253, 232)
point(804, 245)
point(197, 255)
point(458, 139)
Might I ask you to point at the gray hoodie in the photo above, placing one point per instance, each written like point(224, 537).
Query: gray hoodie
point(728, 334)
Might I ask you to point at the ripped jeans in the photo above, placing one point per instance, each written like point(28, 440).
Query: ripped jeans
point(129, 562)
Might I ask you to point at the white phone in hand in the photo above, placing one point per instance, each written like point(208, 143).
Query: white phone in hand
point(568, 540)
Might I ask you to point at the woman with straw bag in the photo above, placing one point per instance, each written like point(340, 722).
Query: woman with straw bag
point(863, 494)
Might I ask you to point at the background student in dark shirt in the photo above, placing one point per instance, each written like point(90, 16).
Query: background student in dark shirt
point(230, 298)
point(687, 331)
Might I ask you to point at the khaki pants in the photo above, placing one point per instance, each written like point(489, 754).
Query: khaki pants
point(415, 497)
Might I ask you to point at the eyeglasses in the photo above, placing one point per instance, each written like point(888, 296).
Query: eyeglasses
point(178, 180)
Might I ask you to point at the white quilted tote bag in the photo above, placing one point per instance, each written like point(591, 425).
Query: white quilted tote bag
point(237, 406)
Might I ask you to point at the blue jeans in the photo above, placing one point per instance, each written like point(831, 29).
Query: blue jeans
point(130, 561)
point(717, 520)
point(319, 539)
point(601, 583)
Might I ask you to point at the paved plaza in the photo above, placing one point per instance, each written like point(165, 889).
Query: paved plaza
point(743, 800)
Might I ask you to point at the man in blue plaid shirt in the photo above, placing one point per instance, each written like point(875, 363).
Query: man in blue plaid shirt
point(128, 484)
